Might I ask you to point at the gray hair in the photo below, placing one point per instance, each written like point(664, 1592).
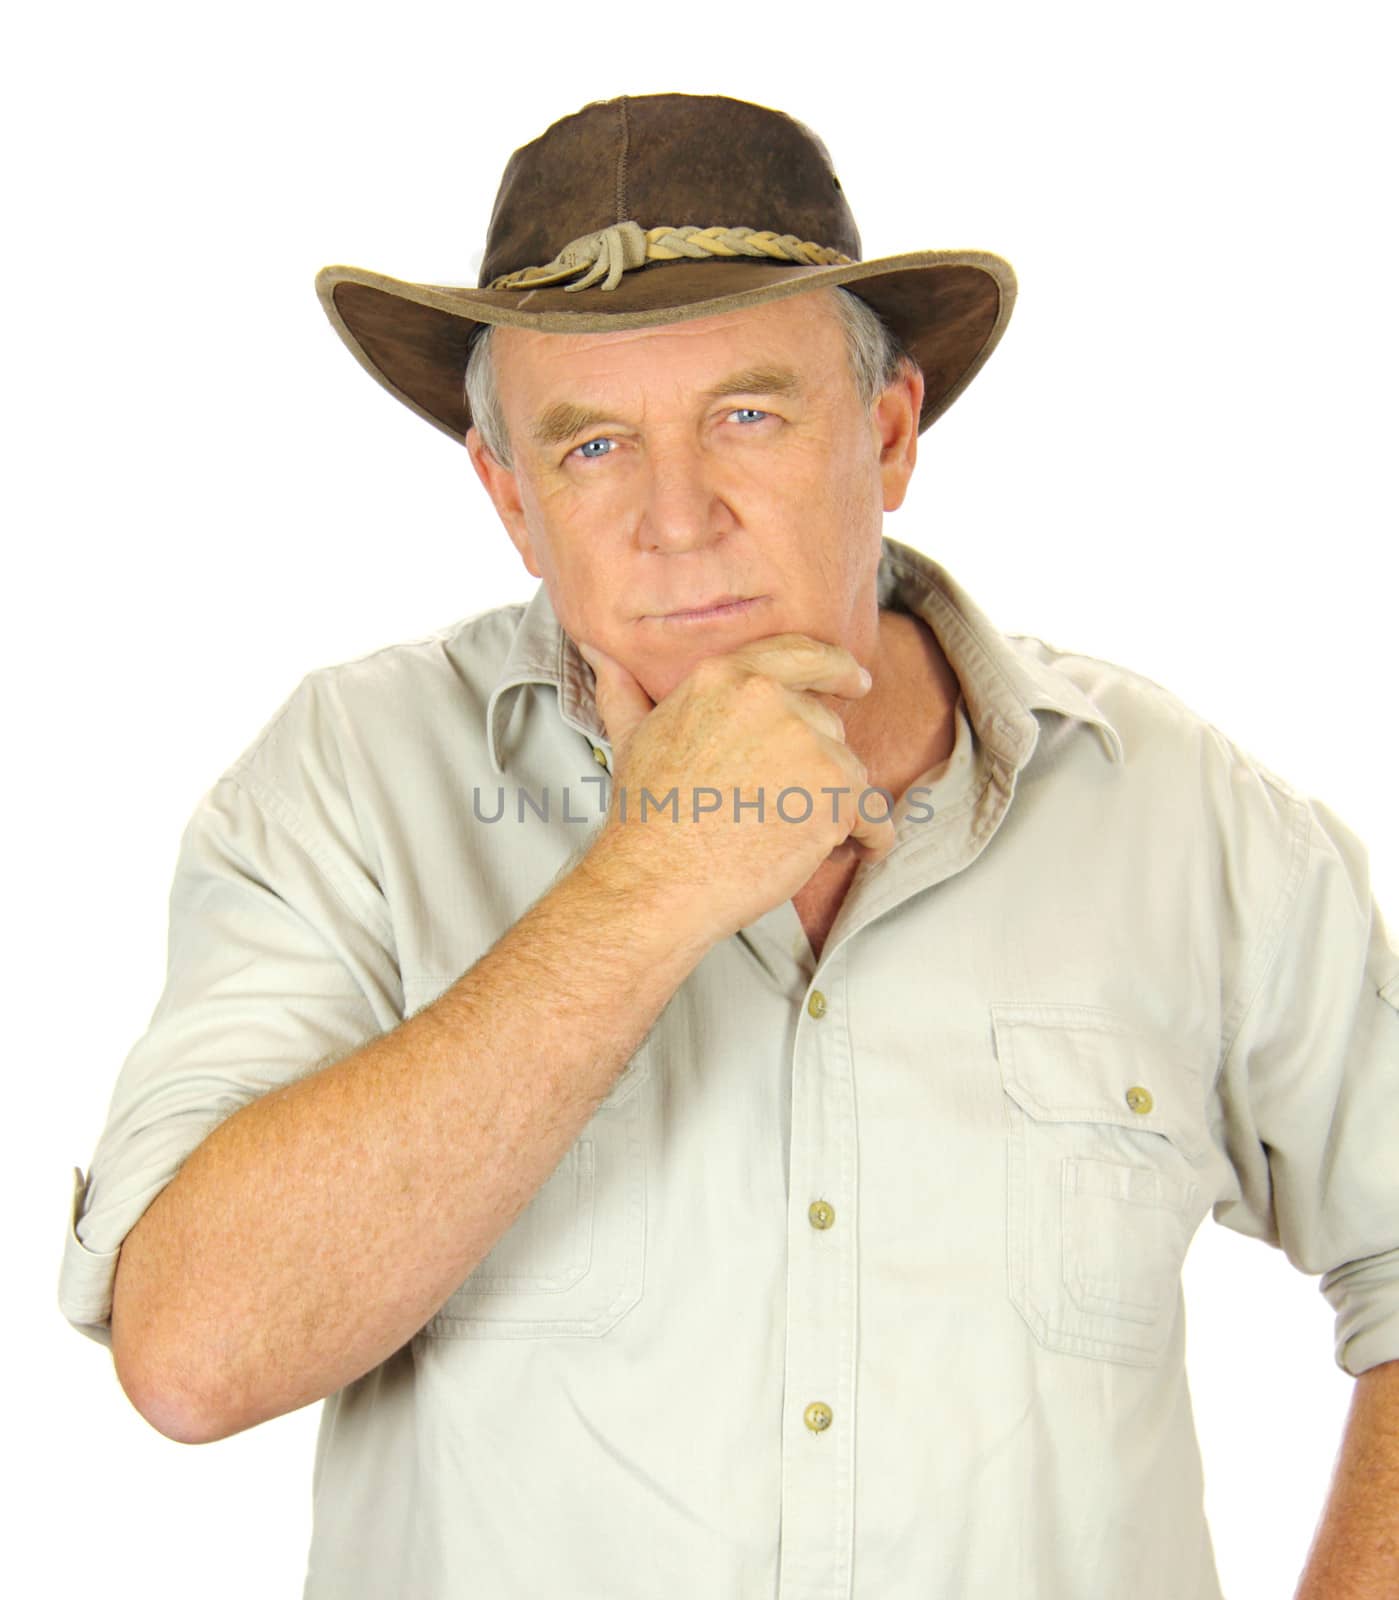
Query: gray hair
point(876, 354)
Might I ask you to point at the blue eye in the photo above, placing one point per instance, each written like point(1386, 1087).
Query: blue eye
point(586, 451)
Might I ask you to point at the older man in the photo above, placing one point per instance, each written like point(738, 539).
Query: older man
point(753, 1150)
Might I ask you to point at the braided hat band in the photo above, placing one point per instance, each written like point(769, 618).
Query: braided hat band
point(610, 252)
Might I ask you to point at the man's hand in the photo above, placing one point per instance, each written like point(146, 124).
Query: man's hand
point(747, 724)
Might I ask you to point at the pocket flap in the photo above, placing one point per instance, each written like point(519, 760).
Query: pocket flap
point(1063, 1062)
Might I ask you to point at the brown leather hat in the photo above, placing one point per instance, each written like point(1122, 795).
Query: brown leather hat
point(650, 209)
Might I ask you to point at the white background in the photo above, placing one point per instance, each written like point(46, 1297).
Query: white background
point(1180, 458)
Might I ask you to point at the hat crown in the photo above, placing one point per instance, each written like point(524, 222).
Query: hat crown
point(679, 159)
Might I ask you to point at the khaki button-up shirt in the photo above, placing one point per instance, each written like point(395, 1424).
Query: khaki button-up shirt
point(864, 1280)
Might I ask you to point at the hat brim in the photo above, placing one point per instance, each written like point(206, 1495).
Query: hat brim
point(950, 307)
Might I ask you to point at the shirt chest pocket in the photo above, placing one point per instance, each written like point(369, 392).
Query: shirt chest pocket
point(1103, 1178)
point(571, 1264)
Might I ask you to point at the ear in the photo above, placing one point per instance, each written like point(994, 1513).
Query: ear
point(895, 419)
point(504, 489)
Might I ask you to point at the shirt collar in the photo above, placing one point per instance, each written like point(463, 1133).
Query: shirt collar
point(1002, 686)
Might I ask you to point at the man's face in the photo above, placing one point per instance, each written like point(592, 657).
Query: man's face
point(661, 469)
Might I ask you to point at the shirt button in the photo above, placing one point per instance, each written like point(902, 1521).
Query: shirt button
point(820, 1214)
point(599, 755)
point(1139, 1099)
point(817, 1004)
point(818, 1417)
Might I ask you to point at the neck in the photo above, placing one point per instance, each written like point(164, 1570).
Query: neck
point(914, 685)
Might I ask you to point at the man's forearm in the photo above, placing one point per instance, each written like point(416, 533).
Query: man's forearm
point(1355, 1554)
point(318, 1228)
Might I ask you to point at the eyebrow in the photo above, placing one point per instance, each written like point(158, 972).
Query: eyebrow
point(564, 420)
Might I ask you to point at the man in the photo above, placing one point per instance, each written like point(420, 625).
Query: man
point(752, 1150)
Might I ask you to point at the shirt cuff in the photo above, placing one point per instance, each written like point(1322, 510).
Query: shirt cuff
point(1365, 1296)
point(85, 1283)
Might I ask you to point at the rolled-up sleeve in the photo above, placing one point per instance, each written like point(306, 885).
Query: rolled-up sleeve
point(1309, 1088)
point(275, 966)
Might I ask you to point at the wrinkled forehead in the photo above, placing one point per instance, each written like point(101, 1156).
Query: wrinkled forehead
point(795, 331)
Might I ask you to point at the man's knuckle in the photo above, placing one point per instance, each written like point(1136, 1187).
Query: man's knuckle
point(760, 689)
point(801, 644)
point(712, 669)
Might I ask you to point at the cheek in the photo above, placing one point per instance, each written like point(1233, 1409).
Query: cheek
point(573, 527)
point(555, 537)
point(586, 604)
point(535, 501)
point(829, 480)
point(837, 495)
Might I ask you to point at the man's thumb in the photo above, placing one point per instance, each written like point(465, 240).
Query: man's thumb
point(621, 701)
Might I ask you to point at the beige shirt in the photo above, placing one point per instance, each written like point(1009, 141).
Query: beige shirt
point(863, 1282)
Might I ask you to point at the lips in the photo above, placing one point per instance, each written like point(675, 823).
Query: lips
point(705, 605)
point(715, 613)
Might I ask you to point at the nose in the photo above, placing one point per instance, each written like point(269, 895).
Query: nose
point(683, 507)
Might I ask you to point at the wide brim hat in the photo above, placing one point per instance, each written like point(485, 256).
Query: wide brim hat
point(644, 210)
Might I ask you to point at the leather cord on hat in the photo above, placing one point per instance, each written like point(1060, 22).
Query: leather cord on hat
point(624, 246)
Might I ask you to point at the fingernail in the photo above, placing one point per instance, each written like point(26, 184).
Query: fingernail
point(865, 678)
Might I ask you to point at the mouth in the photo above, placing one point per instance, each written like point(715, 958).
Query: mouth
point(718, 610)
